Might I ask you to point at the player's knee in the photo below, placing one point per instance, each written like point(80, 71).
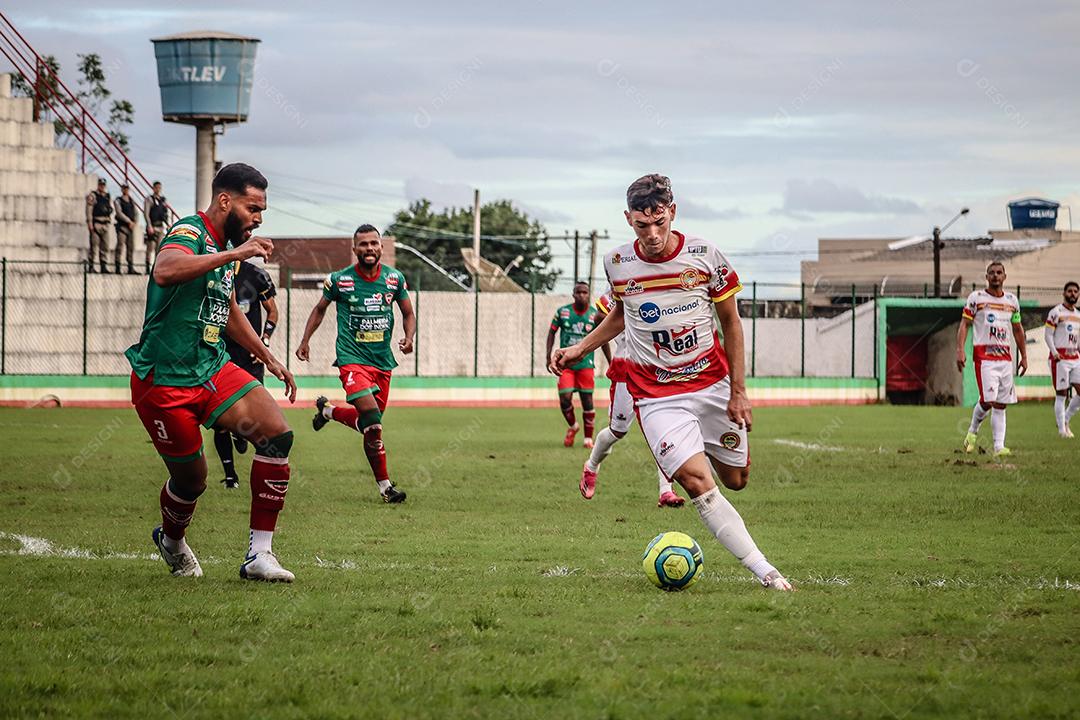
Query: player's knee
point(566, 401)
point(369, 420)
point(618, 435)
point(735, 478)
point(277, 446)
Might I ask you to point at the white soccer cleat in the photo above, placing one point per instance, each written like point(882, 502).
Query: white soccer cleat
point(776, 581)
point(1068, 432)
point(265, 566)
point(181, 564)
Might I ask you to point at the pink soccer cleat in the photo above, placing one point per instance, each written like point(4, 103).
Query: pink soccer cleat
point(670, 499)
point(571, 433)
point(588, 483)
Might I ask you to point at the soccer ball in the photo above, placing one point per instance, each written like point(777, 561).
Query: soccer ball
point(672, 561)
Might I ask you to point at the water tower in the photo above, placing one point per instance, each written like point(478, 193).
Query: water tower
point(205, 79)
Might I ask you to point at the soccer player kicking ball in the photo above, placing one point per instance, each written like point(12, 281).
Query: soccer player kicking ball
point(1062, 336)
point(181, 375)
point(365, 294)
point(669, 291)
point(996, 315)
point(573, 322)
point(620, 418)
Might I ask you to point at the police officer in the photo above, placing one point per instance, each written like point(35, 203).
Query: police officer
point(156, 213)
point(98, 211)
point(125, 229)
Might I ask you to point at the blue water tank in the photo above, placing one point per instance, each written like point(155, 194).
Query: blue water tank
point(1033, 213)
point(205, 76)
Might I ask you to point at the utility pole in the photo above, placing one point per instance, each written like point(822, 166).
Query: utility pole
point(476, 236)
point(592, 258)
point(577, 243)
point(937, 261)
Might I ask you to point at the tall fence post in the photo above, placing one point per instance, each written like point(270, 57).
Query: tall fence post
point(3, 317)
point(875, 336)
point(85, 316)
point(532, 327)
point(753, 331)
point(802, 329)
point(476, 331)
point(288, 318)
point(853, 307)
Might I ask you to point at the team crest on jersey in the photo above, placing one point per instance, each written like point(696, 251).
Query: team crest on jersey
point(388, 297)
point(690, 278)
point(633, 287)
point(730, 440)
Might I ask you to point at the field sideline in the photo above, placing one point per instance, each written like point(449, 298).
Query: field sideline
point(931, 584)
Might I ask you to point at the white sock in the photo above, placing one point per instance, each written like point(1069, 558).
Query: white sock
point(724, 521)
point(173, 545)
point(1074, 406)
point(662, 482)
point(260, 541)
point(384, 485)
point(997, 426)
point(1059, 412)
point(328, 411)
point(605, 440)
point(977, 416)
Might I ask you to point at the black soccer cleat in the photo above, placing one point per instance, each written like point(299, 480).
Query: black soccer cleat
point(393, 495)
point(241, 444)
point(319, 421)
point(231, 482)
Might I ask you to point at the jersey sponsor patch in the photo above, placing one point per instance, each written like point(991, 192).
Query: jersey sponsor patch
point(370, 336)
point(185, 231)
point(633, 287)
point(211, 334)
point(688, 372)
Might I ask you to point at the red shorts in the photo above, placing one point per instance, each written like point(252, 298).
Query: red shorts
point(172, 414)
point(580, 380)
point(360, 380)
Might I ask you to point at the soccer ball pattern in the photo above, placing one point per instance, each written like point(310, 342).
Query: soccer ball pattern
point(672, 561)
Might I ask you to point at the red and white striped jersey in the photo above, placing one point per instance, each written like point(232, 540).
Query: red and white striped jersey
point(671, 340)
point(616, 371)
point(1066, 326)
point(993, 316)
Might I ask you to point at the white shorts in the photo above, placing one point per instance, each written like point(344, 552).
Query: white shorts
point(621, 410)
point(995, 379)
point(1064, 373)
point(681, 426)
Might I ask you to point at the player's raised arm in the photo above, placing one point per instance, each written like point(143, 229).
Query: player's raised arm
point(727, 312)
point(605, 332)
point(408, 325)
point(175, 264)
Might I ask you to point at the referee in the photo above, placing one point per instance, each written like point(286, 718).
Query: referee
point(255, 291)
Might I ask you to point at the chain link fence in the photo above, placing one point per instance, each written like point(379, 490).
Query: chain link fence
point(56, 318)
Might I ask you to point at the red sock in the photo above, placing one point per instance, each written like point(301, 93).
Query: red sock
point(176, 513)
point(346, 415)
point(376, 453)
point(568, 413)
point(590, 421)
point(269, 483)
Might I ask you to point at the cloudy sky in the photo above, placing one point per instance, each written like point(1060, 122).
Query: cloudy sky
point(777, 124)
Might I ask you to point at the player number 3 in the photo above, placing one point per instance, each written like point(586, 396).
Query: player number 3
point(161, 432)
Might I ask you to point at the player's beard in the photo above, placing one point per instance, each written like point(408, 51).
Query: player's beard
point(234, 228)
point(361, 260)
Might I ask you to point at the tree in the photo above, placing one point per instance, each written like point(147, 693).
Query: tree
point(506, 233)
point(93, 94)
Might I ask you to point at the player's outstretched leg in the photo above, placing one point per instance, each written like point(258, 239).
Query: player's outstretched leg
point(978, 414)
point(723, 520)
point(997, 426)
point(369, 422)
point(178, 497)
point(668, 496)
point(257, 417)
point(566, 404)
point(223, 442)
point(605, 440)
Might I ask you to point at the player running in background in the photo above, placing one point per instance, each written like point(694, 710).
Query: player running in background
point(181, 375)
point(573, 322)
point(620, 418)
point(670, 291)
point(255, 292)
point(1062, 337)
point(365, 294)
point(995, 314)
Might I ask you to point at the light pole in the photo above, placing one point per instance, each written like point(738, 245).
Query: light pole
point(937, 249)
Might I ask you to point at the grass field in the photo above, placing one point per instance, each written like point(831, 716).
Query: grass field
point(931, 584)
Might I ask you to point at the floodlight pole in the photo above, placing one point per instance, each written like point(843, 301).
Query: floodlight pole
point(937, 249)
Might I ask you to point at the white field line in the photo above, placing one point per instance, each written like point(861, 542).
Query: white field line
point(30, 546)
point(817, 447)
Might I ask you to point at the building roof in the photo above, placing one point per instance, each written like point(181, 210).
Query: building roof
point(204, 35)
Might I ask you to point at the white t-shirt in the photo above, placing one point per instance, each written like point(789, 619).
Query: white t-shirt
point(993, 317)
point(1066, 326)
